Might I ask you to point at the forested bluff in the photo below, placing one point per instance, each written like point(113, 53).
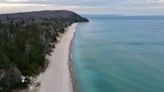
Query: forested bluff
point(25, 40)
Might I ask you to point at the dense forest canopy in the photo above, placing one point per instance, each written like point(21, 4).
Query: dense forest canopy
point(25, 39)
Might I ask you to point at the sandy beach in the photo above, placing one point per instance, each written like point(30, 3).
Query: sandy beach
point(57, 77)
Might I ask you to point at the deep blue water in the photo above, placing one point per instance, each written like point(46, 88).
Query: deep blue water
point(121, 54)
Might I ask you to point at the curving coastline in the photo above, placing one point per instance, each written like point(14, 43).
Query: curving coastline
point(57, 76)
point(26, 39)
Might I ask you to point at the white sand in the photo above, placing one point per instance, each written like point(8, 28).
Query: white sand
point(57, 77)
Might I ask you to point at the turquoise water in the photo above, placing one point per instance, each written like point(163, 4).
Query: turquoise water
point(119, 55)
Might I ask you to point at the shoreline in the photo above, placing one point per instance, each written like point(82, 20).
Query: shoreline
point(71, 67)
point(59, 74)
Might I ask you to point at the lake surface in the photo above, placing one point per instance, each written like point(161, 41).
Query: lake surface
point(119, 54)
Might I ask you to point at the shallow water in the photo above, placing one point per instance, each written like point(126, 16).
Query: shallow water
point(119, 55)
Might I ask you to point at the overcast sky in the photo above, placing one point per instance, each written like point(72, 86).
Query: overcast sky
point(123, 7)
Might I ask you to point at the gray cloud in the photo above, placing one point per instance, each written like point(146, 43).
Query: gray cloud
point(92, 6)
